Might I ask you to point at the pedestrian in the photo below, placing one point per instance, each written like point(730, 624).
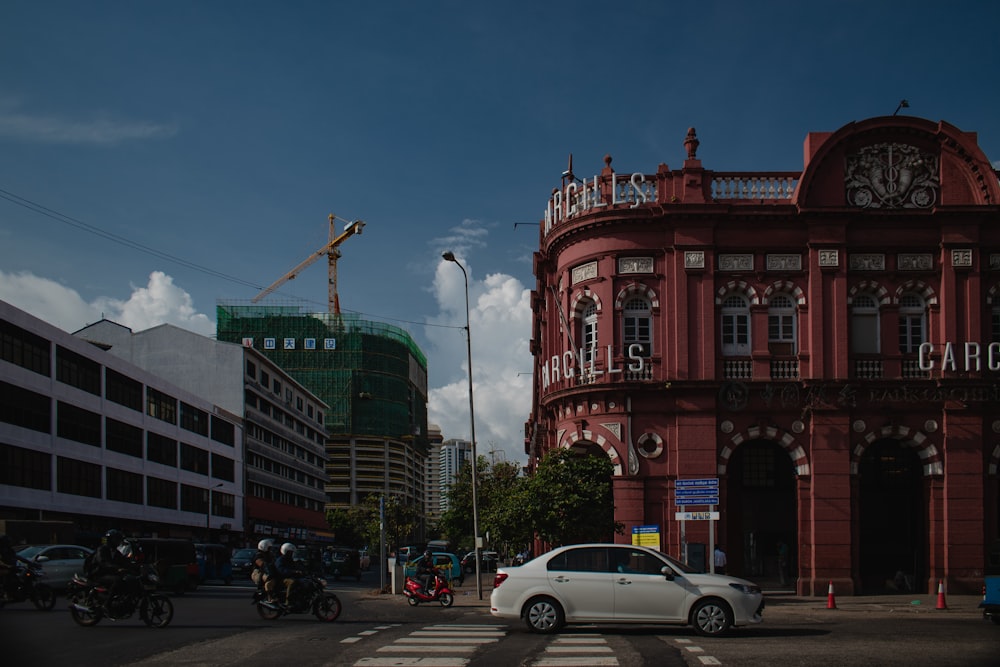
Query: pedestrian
point(720, 560)
point(782, 561)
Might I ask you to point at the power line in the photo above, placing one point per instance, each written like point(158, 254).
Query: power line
point(134, 245)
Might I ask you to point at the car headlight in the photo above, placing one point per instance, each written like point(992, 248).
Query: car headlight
point(746, 589)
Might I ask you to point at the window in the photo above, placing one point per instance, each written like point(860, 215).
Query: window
point(161, 406)
point(25, 467)
point(78, 371)
point(251, 369)
point(223, 504)
point(637, 325)
point(223, 431)
point(588, 332)
point(124, 486)
point(912, 323)
point(25, 408)
point(194, 459)
point(781, 325)
point(277, 387)
point(78, 424)
point(78, 477)
point(865, 336)
point(736, 326)
point(161, 493)
point(161, 449)
point(122, 437)
point(265, 379)
point(194, 499)
point(633, 561)
point(122, 390)
point(223, 468)
point(25, 349)
point(586, 559)
point(193, 419)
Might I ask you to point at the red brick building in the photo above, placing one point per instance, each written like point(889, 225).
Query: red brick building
point(824, 342)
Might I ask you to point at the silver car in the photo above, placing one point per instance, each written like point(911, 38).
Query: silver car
point(59, 561)
point(619, 583)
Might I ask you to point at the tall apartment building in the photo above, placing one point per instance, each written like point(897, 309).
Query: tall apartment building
point(88, 437)
point(432, 486)
point(284, 431)
point(452, 456)
point(374, 378)
point(812, 353)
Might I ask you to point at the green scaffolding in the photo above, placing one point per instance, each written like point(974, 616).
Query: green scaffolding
point(374, 378)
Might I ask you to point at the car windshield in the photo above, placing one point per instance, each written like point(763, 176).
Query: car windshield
point(244, 554)
point(28, 551)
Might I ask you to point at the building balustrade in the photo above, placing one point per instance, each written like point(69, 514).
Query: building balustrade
point(868, 369)
point(737, 369)
point(784, 369)
point(754, 186)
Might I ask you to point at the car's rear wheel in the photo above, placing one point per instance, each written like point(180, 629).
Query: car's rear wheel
point(543, 615)
point(711, 618)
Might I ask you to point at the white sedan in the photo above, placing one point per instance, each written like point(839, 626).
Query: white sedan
point(619, 583)
point(59, 562)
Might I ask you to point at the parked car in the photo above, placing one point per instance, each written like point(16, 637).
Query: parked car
point(446, 563)
point(242, 561)
point(618, 583)
point(59, 562)
point(488, 559)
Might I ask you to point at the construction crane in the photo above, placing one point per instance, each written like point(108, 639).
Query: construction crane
point(332, 251)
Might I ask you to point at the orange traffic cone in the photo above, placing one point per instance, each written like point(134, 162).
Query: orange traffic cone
point(940, 601)
point(830, 602)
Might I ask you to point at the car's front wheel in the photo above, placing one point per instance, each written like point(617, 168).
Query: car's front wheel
point(543, 615)
point(711, 618)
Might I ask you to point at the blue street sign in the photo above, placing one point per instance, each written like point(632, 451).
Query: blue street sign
point(696, 492)
point(697, 500)
point(697, 483)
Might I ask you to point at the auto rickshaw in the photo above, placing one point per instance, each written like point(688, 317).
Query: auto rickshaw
point(991, 585)
point(214, 562)
point(447, 563)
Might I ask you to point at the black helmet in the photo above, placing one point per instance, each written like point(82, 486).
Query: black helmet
point(113, 538)
point(428, 555)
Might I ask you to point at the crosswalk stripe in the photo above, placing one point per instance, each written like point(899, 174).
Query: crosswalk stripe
point(412, 662)
point(578, 649)
point(418, 648)
point(576, 661)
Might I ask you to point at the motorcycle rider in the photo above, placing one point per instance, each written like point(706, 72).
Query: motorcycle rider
point(289, 570)
point(427, 572)
point(8, 564)
point(265, 572)
point(111, 565)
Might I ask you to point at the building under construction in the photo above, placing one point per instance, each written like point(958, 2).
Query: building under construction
point(372, 375)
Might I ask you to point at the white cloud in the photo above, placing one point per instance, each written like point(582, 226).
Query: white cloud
point(500, 319)
point(41, 128)
point(159, 302)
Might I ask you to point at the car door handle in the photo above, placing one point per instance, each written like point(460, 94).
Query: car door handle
point(624, 581)
point(561, 579)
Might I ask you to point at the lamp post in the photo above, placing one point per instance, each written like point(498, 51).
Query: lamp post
point(450, 256)
point(208, 513)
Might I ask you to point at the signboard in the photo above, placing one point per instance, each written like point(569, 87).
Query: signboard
point(696, 491)
point(696, 516)
point(646, 536)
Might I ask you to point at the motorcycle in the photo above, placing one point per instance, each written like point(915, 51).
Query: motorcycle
point(29, 586)
point(90, 601)
point(415, 593)
point(308, 596)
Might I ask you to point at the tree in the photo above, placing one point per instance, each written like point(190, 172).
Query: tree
point(501, 504)
point(571, 499)
point(361, 522)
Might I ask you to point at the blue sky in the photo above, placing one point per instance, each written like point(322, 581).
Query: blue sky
point(223, 133)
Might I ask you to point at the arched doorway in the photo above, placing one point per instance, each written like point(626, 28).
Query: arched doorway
point(892, 533)
point(761, 511)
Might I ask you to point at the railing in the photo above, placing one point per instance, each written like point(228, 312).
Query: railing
point(754, 186)
point(868, 369)
point(737, 369)
point(911, 370)
point(784, 369)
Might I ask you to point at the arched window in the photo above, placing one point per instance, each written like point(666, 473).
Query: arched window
point(637, 326)
point(781, 325)
point(912, 322)
point(865, 336)
point(587, 339)
point(736, 326)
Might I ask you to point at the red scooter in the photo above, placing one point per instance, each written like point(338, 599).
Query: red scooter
point(415, 593)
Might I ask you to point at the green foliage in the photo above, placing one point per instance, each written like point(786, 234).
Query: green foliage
point(359, 525)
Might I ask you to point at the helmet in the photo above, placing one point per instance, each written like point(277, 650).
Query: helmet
point(265, 544)
point(113, 538)
point(428, 555)
point(287, 549)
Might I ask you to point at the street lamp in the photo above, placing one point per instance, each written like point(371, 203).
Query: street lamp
point(208, 513)
point(450, 256)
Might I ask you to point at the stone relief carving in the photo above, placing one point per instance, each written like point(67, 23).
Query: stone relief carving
point(615, 428)
point(784, 262)
point(694, 259)
point(890, 175)
point(871, 261)
point(829, 258)
point(995, 261)
point(736, 262)
point(914, 261)
point(961, 257)
point(584, 272)
point(635, 265)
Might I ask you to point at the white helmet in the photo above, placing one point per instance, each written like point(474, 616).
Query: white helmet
point(265, 544)
point(287, 548)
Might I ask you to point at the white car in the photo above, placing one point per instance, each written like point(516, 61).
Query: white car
point(619, 583)
point(59, 561)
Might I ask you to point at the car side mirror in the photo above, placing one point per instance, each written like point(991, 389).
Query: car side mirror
point(42, 559)
point(667, 573)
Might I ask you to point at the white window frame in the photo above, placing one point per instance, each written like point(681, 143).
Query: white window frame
point(912, 322)
point(782, 321)
point(865, 312)
point(735, 326)
point(637, 325)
